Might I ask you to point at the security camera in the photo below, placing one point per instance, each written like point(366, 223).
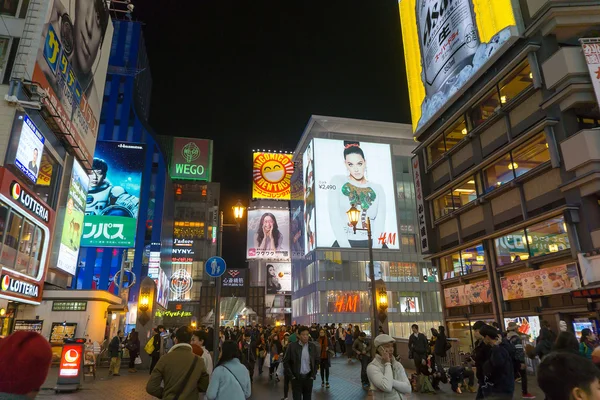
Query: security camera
point(130, 7)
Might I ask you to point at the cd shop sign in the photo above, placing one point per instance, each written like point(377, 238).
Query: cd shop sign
point(17, 286)
point(28, 201)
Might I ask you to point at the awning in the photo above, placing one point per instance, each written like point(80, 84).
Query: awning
point(587, 292)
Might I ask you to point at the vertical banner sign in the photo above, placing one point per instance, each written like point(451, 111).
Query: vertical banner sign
point(113, 199)
point(271, 175)
point(591, 50)
point(422, 224)
point(191, 159)
point(71, 67)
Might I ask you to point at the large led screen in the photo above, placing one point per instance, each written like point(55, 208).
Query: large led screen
point(73, 223)
point(279, 278)
point(308, 175)
point(30, 149)
point(447, 45)
point(71, 67)
point(268, 234)
point(359, 174)
point(271, 173)
point(114, 195)
point(297, 212)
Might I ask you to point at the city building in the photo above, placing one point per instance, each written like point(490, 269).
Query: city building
point(340, 163)
point(507, 162)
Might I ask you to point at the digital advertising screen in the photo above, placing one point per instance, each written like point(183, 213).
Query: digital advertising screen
point(297, 212)
point(71, 66)
point(162, 288)
point(279, 278)
point(447, 45)
point(409, 304)
point(70, 239)
point(308, 176)
point(114, 195)
point(268, 234)
point(191, 159)
point(271, 174)
point(359, 174)
point(30, 149)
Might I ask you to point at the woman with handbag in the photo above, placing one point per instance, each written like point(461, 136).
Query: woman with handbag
point(261, 348)
point(133, 345)
point(275, 349)
point(230, 379)
point(325, 358)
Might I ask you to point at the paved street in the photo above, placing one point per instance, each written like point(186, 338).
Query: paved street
point(344, 381)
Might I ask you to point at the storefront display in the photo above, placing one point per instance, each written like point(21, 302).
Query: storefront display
point(464, 295)
point(542, 282)
point(61, 331)
point(528, 326)
point(28, 325)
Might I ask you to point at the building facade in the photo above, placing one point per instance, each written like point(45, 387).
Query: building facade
point(507, 168)
point(341, 163)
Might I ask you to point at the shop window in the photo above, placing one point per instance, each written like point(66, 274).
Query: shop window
point(456, 134)
point(9, 7)
point(511, 248)
point(473, 259)
point(430, 274)
point(11, 240)
point(443, 205)
point(485, 109)
point(451, 266)
point(25, 245)
point(548, 237)
point(499, 173)
point(464, 193)
point(435, 150)
point(403, 272)
point(529, 156)
point(516, 82)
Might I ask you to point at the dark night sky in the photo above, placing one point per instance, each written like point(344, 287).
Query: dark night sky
point(249, 74)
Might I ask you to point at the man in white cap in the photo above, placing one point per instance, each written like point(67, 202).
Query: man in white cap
point(387, 376)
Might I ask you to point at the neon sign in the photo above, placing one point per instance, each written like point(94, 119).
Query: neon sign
point(346, 302)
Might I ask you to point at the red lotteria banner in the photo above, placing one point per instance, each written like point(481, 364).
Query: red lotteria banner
point(70, 360)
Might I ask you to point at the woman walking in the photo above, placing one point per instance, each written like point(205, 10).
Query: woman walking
point(325, 362)
point(261, 348)
point(348, 341)
point(230, 378)
point(275, 349)
point(133, 345)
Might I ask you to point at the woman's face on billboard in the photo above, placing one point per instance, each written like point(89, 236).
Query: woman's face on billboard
point(267, 224)
point(356, 165)
point(272, 270)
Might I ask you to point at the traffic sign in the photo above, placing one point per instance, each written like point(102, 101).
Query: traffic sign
point(215, 266)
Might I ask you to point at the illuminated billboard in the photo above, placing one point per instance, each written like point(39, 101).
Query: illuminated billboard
point(30, 149)
point(271, 174)
point(359, 174)
point(73, 223)
point(308, 176)
point(191, 159)
point(448, 45)
point(71, 67)
point(268, 234)
point(114, 195)
point(279, 278)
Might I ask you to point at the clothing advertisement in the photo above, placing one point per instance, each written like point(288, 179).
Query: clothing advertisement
point(162, 289)
point(279, 278)
point(409, 304)
point(447, 45)
point(308, 165)
point(271, 174)
point(464, 295)
point(73, 223)
point(30, 149)
point(71, 67)
point(268, 231)
point(114, 195)
point(542, 282)
point(297, 237)
point(354, 174)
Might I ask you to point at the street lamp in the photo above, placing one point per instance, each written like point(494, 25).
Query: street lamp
point(354, 216)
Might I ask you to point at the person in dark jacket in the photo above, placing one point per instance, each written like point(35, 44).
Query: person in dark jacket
point(545, 340)
point(417, 347)
point(566, 342)
point(133, 345)
point(481, 353)
point(498, 370)
point(439, 350)
point(301, 365)
point(248, 350)
point(157, 347)
point(275, 351)
point(520, 368)
point(114, 350)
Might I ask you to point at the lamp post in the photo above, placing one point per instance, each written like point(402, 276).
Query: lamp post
point(354, 216)
point(238, 213)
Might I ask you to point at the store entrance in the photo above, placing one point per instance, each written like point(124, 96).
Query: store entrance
point(579, 321)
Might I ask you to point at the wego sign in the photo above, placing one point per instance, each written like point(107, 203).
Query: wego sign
point(27, 200)
point(191, 159)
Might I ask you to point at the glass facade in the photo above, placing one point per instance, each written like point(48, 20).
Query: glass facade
point(463, 262)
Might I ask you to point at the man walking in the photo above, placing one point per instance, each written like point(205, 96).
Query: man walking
point(417, 347)
point(114, 348)
point(341, 337)
point(363, 353)
point(300, 365)
point(520, 368)
point(248, 350)
point(179, 374)
point(499, 378)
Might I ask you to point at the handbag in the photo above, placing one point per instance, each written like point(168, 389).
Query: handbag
point(138, 360)
point(267, 363)
point(149, 347)
point(187, 378)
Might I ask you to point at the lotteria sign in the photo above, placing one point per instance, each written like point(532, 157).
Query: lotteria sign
point(191, 159)
point(28, 201)
point(70, 362)
point(17, 286)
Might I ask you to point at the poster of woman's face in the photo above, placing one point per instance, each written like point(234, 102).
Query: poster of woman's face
point(279, 278)
point(268, 234)
point(354, 174)
point(308, 175)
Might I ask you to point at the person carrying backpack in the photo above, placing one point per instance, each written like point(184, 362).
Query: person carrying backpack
point(520, 368)
point(498, 369)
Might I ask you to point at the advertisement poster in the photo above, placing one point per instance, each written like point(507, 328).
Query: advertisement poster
point(30, 149)
point(529, 326)
point(355, 174)
point(61, 331)
point(46, 170)
point(409, 304)
point(279, 278)
point(297, 212)
point(447, 45)
point(268, 231)
point(464, 295)
point(234, 278)
point(191, 159)
point(542, 282)
point(162, 288)
point(591, 51)
point(71, 67)
point(114, 195)
point(74, 213)
point(271, 174)
point(308, 165)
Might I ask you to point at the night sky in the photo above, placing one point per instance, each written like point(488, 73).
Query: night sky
point(249, 74)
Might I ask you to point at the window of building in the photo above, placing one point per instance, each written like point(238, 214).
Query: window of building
point(464, 193)
point(516, 82)
point(69, 305)
point(588, 122)
point(548, 237)
point(473, 259)
point(430, 274)
point(485, 109)
point(435, 150)
point(529, 156)
point(511, 248)
point(409, 240)
point(402, 272)
point(443, 205)
point(25, 245)
point(9, 7)
point(451, 266)
point(11, 240)
point(456, 134)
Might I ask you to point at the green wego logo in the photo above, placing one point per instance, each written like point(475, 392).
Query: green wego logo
point(190, 152)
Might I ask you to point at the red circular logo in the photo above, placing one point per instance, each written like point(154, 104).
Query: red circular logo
point(15, 190)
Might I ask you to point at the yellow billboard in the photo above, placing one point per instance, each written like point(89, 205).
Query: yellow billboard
point(271, 176)
point(446, 44)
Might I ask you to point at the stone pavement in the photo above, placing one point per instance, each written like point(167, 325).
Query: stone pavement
point(344, 380)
